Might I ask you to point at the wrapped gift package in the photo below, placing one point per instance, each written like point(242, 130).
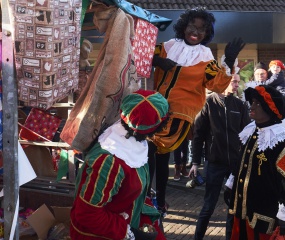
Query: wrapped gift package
point(47, 49)
point(42, 123)
point(143, 46)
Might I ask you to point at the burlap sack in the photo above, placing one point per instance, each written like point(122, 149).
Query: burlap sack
point(113, 77)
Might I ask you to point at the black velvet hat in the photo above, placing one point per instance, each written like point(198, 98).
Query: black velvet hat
point(271, 100)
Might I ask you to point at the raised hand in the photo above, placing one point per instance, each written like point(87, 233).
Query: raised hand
point(232, 50)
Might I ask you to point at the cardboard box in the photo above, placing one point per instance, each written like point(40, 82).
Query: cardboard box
point(42, 220)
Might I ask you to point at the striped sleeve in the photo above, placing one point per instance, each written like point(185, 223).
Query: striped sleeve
point(98, 189)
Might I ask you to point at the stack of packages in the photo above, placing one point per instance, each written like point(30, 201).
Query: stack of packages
point(47, 42)
point(47, 50)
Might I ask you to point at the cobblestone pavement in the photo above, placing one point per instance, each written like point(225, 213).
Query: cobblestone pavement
point(185, 205)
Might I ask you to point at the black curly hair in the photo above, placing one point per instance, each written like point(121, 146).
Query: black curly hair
point(188, 16)
point(140, 137)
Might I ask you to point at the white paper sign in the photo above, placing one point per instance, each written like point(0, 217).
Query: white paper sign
point(25, 169)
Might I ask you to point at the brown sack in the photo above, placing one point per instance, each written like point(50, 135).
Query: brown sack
point(112, 78)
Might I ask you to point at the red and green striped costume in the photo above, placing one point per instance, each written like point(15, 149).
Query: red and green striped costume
point(106, 188)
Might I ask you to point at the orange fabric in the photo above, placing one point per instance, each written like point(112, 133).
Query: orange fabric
point(249, 231)
point(185, 90)
point(168, 140)
point(185, 87)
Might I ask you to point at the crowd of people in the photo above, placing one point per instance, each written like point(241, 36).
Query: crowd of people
point(243, 139)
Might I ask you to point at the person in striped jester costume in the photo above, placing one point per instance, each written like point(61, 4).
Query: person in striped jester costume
point(111, 188)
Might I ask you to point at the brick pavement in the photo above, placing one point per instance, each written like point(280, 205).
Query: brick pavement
point(185, 205)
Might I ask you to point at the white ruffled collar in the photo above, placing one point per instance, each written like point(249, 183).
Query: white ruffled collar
point(187, 55)
point(268, 137)
point(132, 152)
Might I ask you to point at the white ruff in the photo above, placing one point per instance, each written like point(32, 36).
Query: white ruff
point(267, 137)
point(186, 55)
point(132, 152)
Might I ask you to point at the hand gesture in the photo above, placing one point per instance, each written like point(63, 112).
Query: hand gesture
point(164, 63)
point(142, 235)
point(232, 50)
point(193, 171)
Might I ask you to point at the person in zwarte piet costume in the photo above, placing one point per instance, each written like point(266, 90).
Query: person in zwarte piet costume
point(111, 189)
point(184, 68)
point(258, 193)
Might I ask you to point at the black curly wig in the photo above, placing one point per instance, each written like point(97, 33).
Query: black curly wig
point(188, 16)
point(140, 137)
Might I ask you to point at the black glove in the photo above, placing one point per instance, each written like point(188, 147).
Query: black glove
point(227, 195)
point(282, 227)
point(141, 235)
point(164, 63)
point(232, 50)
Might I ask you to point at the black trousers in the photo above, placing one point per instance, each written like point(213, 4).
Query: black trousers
point(183, 148)
point(158, 166)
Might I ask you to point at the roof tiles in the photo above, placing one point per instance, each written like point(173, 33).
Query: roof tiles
point(218, 5)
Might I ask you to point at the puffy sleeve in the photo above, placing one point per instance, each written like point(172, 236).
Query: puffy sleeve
point(216, 78)
point(90, 217)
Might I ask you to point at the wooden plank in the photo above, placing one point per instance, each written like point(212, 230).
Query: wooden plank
point(68, 105)
point(46, 144)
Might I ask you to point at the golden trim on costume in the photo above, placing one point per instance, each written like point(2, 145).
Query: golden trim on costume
point(233, 211)
point(87, 234)
point(246, 181)
point(257, 216)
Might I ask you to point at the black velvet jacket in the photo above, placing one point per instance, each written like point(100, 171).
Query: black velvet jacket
point(259, 185)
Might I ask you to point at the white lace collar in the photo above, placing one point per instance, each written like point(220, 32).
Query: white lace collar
point(132, 152)
point(187, 55)
point(268, 137)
